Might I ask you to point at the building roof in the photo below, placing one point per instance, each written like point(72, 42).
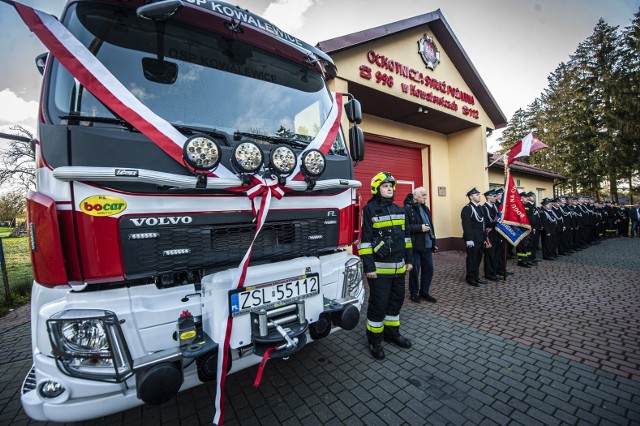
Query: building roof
point(438, 121)
point(521, 167)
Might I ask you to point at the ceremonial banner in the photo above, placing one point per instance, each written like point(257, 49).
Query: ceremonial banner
point(513, 223)
point(524, 147)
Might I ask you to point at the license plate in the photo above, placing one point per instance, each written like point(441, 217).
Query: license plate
point(268, 295)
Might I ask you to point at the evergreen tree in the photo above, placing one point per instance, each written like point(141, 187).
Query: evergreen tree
point(627, 97)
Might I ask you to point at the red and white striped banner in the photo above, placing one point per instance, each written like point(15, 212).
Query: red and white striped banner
point(98, 80)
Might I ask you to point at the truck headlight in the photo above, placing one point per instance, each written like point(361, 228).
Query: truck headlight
point(283, 160)
point(352, 278)
point(201, 152)
point(247, 157)
point(313, 163)
point(89, 344)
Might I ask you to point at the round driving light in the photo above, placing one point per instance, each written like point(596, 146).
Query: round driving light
point(283, 160)
point(247, 157)
point(51, 389)
point(201, 152)
point(313, 163)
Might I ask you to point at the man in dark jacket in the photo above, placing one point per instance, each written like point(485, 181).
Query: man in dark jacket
point(473, 234)
point(423, 239)
point(549, 231)
point(493, 248)
point(386, 253)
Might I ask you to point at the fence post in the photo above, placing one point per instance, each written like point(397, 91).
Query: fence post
point(5, 277)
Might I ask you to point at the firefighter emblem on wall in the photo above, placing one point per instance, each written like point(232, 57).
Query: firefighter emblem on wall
point(428, 51)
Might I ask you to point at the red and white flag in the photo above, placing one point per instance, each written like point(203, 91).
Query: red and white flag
point(513, 223)
point(524, 147)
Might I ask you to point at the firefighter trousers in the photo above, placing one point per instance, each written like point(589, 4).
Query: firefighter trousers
point(386, 295)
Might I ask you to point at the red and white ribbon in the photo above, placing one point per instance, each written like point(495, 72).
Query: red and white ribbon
point(264, 190)
point(98, 80)
point(325, 137)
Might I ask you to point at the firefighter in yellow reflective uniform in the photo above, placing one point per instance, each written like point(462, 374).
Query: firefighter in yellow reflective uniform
point(386, 253)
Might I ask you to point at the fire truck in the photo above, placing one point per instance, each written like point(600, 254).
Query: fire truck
point(192, 171)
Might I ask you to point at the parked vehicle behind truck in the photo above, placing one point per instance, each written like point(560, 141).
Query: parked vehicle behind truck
point(153, 178)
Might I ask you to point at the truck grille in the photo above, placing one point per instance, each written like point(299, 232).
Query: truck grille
point(153, 245)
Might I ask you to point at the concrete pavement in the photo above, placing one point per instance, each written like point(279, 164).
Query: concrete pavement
point(556, 344)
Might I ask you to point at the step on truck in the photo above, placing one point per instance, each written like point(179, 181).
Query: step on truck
point(192, 171)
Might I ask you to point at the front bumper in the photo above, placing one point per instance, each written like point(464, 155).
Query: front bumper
point(148, 319)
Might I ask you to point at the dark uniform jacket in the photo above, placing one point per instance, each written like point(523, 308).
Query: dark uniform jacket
point(533, 215)
point(414, 222)
point(491, 218)
point(386, 246)
point(549, 222)
point(473, 223)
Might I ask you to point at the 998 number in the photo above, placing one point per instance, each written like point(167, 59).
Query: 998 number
point(386, 80)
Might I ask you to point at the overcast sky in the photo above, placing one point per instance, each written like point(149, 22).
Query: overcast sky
point(514, 44)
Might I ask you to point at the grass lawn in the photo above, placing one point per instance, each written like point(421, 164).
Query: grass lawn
point(18, 264)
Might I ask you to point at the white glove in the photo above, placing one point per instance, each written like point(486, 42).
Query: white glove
point(470, 244)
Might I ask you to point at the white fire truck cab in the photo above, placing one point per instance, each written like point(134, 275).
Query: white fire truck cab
point(170, 133)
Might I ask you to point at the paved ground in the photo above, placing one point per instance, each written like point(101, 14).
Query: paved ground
point(556, 344)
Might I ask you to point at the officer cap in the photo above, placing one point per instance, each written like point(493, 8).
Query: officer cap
point(546, 201)
point(524, 194)
point(530, 194)
point(472, 191)
point(490, 192)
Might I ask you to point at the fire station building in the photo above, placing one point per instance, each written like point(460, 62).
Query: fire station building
point(426, 113)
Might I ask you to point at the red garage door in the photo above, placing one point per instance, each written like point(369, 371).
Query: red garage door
point(405, 164)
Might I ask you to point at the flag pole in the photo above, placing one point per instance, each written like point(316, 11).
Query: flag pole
point(504, 243)
point(500, 157)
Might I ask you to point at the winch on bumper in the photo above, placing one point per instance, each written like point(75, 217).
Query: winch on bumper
point(272, 312)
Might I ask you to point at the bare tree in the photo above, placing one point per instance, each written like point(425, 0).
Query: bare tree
point(17, 162)
point(12, 206)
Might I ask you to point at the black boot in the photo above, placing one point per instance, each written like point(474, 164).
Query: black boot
point(376, 350)
point(400, 341)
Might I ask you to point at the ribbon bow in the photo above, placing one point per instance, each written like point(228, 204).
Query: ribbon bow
point(266, 189)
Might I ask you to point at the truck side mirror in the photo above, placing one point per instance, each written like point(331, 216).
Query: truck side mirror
point(356, 143)
point(353, 110)
point(41, 62)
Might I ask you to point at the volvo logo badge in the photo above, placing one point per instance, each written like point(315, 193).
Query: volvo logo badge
point(162, 220)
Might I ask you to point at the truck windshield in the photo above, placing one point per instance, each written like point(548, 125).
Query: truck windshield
point(191, 77)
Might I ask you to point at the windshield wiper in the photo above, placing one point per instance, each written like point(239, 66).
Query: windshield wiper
point(192, 130)
point(277, 139)
point(75, 118)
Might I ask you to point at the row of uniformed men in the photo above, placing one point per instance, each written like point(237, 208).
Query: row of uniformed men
point(564, 224)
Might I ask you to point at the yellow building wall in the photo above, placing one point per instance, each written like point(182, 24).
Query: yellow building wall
point(467, 161)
